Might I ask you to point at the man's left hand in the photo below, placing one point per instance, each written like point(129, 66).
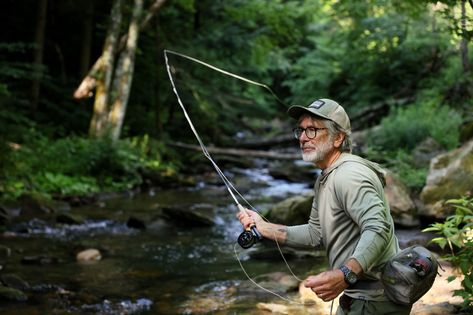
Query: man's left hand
point(327, 285)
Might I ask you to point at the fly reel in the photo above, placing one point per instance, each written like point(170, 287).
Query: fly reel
point(249, 237)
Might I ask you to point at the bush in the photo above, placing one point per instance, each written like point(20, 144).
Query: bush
point(407, 127)
point(457, 233)
point(77, 166)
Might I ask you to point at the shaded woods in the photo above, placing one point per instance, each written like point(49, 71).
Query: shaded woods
point(87, 109)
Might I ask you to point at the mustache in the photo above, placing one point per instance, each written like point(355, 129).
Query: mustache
point(308, 147)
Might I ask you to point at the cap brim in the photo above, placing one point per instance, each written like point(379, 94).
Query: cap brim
point(296, 111)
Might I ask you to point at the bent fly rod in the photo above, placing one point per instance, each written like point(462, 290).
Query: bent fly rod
point(250, 236)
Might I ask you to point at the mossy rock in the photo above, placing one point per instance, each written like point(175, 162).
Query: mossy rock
point(450, 177)
point(292, 211)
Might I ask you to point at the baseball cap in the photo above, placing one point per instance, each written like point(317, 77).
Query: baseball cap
point(324, 108)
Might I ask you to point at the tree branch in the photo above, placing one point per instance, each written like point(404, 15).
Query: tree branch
point(89, 82)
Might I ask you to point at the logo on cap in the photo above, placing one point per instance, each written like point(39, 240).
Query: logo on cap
point(317, 104)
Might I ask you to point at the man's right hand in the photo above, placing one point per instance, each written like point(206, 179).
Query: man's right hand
point(248, 217)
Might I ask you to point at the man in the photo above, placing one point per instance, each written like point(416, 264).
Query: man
point(350, 215)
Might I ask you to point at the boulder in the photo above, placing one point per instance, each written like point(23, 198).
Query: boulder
point(190, 217)
point(402, 207)
point(436, 309)
point(296, 210)
point(69, 218)
point(292, 211)
point(425, 151)
point(450, 177)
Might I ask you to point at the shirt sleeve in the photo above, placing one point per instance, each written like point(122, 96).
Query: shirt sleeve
point(361, 193)
point(306, 235)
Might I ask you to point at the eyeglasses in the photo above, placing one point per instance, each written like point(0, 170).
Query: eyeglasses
point(310, 132)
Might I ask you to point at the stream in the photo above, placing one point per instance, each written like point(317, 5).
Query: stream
point(163, 269)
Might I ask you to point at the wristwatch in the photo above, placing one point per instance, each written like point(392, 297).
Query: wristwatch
point(350, 277)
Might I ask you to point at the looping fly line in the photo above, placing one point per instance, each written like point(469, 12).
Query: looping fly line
point(231, 189)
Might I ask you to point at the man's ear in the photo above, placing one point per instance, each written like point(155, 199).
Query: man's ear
point(339, 140)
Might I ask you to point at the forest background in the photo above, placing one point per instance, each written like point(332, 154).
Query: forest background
point(402, 66)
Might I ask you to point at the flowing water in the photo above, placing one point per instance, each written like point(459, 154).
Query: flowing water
point(163, 269)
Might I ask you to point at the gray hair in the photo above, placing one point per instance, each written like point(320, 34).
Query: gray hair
point(334, 129)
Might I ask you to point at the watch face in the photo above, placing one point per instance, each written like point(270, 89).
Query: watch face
point(351, 277)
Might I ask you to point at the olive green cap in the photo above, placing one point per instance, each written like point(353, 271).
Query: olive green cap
point(324, 108)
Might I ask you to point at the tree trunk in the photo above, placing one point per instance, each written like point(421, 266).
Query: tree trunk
point(89, 83)
point(87, 28)
point(124, 74)
point(38, 54)
point(464, 40)
point(159, 63)
point(98, 124)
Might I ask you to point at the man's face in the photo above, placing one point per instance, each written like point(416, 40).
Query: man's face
point(317, 149)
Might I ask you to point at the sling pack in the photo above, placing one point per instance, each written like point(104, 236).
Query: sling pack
point(409, 275)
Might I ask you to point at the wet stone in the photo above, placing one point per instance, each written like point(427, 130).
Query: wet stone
point(69, 218)
point(12, 294)
point(5, 253)
point(39, 260)
point(186, 217)
point(135, 223)
point(13, 281)
point(89, 255)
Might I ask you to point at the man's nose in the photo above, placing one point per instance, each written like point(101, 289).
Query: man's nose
point(303, 137)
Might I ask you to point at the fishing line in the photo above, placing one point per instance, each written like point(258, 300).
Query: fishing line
point(230, 187)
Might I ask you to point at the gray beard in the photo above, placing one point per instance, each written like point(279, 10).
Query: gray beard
point(318, 154)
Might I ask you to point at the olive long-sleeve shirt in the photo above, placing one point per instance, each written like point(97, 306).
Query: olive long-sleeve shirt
point(350, 217)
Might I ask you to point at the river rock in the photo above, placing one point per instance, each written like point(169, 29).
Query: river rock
point(89, 255)
point(308, 297)
point(292, 211)
point(136, 223)
point(187, 217)
point(69, 218)
point(436, 309)
point(12, 294)
point(401, 204)
point(35, 205)
point(425, 151)
point(278, 282)
point(39, 260)
point(273, 308)
point(13, 281)
point(5, 253)
point(450, 177)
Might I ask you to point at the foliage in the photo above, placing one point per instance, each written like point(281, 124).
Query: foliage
point(78, 166)
point(402, 163)
point(457, 232)
point(361, 53)
point(408, 126)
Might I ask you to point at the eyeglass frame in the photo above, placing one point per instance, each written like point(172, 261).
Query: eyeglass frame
point(297, 132)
